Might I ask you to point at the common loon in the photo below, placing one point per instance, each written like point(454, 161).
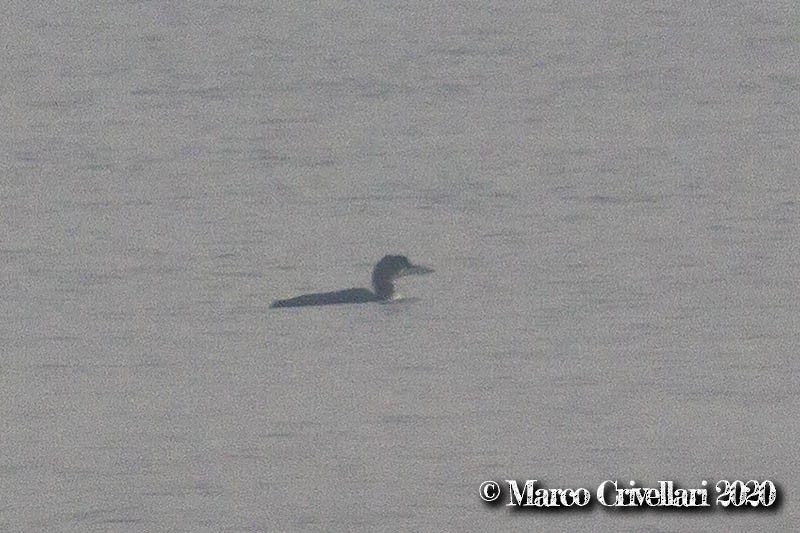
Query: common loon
point(385, 272)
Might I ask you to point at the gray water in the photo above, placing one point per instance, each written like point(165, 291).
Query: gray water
point(608, 192)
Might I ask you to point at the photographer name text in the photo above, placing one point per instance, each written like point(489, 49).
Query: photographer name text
point(612, 493)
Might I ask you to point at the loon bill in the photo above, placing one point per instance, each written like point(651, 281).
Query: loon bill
point(385, 272)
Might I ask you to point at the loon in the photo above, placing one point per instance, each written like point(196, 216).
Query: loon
point(385, 272)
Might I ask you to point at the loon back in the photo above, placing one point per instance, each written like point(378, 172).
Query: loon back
point(385, 272)
point(347, 296)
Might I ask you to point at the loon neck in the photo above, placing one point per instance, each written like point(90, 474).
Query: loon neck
point(383, 289)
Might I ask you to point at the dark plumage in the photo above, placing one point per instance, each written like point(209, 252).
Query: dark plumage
point(385, 272)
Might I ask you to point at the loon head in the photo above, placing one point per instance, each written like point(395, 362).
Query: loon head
point(389, 269)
